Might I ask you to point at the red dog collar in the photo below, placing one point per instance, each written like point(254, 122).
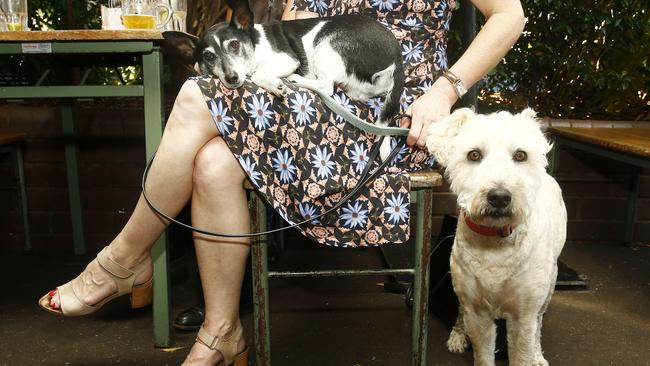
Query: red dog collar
point(503, 232)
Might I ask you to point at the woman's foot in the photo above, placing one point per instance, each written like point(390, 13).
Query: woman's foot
point(202, 355)
point(103, 279)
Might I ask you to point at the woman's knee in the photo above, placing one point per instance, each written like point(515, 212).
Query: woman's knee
point(190, 108)
point(215, 167)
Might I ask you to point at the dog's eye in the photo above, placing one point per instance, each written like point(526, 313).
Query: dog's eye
point(234, 45)
point(209, 56)
point(520, 156)
point(474, 155)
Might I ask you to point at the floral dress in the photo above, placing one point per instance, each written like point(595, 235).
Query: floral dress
point(303, 158)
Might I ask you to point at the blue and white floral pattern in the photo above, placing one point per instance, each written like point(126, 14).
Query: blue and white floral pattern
point(412, 51)
point(307, 211)
point(322, 162)
point(402, 151)
point(259, 111)
point(384, 5)
point(355, 214)
point(412, 22)
point(221, 116)
point(405, 100)
point(376, 103)
point(249, 167)
point(344, 101)
point(318, 6)
point(441, 57)
point(397, 209)
point(359, 156)
point(301, 105)
point(283, 165)
point(425, 85)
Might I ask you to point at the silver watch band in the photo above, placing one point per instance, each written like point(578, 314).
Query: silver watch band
point(455, 81)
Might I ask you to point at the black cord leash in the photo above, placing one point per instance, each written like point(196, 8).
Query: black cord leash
point(365, 179)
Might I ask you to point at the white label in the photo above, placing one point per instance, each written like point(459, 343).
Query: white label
point(37, 47)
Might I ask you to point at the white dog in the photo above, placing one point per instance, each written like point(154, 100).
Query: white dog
point(511, 229)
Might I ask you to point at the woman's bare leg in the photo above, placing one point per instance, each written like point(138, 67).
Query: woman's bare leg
point(219, 204)
point(169, 185)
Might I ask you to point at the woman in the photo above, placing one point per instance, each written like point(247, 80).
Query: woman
point(209, 165)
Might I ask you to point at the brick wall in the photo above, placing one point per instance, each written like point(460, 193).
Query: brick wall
point(112, 158)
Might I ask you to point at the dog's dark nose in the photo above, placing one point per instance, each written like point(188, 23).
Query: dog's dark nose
point(499, 198)
point(232, 79)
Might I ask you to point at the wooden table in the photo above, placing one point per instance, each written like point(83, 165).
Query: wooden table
point(627, 145)
point(143, 44)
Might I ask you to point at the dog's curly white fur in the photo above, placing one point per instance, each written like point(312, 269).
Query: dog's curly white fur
point(496, 166)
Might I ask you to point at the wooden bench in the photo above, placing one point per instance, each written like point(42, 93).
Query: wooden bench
point(422, 184)
point(628, 145)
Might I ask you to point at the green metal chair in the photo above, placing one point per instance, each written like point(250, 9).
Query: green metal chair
point(11, 143)
point(422, 184)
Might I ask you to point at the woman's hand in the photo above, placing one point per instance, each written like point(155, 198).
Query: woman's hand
point(430, 107)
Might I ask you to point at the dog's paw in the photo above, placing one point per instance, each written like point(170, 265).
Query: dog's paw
point(457, 342)
point(295, 78)
point(540, 360)
point(272, 85)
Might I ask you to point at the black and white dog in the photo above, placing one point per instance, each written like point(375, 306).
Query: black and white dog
point(352, 51)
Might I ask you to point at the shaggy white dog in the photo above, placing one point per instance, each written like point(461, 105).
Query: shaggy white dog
point(511, 229)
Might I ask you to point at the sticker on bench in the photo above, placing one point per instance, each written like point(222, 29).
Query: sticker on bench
point(37, 47)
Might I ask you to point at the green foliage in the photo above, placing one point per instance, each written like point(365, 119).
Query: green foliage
point(45, 14)
point(577, 59)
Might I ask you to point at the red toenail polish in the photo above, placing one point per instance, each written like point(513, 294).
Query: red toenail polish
point(51, 293)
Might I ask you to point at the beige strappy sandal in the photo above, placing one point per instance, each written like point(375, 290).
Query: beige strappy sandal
point(226, 346)
point(72, 305)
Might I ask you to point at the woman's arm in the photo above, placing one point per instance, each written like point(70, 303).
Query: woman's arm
point(503, 26)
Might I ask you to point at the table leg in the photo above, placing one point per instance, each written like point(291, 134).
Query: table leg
point(20, 175)
point(73, 177)
point(630, 216)
point(154, 116)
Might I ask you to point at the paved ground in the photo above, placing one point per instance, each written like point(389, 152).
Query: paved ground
point(327, 321)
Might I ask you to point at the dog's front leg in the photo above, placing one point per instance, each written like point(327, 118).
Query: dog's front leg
point(482, 333)
point(522, 341)
point(270, 83)
point(270, 77)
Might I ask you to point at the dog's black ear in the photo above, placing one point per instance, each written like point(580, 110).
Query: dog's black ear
point(242, 15)
point(180, 45)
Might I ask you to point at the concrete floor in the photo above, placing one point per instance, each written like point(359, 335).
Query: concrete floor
point(328, 322)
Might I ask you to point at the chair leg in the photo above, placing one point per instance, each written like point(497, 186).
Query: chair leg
point(419, 330)
point(259, 251)
point(20, 174)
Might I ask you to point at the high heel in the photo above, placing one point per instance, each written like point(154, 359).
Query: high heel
point(124, 278)
point(227, 346)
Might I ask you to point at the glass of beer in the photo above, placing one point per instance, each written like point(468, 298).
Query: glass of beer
point(14, 15)
point(179, 16)
point(145, 14)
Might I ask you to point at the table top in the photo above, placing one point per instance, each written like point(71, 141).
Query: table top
point(81, 35)
point(635, 141)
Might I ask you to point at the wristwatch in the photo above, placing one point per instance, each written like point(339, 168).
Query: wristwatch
point(458, 85)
